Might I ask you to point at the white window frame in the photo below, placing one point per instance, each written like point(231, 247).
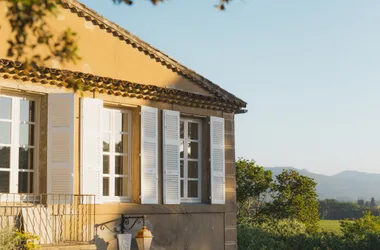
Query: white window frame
point(184, 141)
point(14, 146)
point(111, 175)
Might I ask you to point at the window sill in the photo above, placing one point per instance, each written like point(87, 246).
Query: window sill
point(117, 200)
point(191, 201)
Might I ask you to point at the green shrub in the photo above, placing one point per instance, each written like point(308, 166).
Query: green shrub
point(284, 227)
point(361, 234)
point(20, 240)
point(252, 237)
point(359, 229)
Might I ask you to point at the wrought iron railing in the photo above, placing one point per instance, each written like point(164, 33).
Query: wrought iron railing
point(55, 218)
point(126, 223)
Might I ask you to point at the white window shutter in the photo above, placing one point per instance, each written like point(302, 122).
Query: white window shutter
point(149, 155)
point(91, 181)
point(217, 160)
point(171, 162)
point(60, 170)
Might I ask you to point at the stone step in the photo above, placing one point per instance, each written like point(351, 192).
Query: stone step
point(69, 247)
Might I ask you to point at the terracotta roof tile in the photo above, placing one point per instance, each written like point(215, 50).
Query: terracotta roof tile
point(62, 78)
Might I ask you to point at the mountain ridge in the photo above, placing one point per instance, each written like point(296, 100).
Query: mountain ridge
point(348, 185)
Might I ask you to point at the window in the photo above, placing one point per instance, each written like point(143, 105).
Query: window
point(116, 154)
point(190, 160)
point(18, 147)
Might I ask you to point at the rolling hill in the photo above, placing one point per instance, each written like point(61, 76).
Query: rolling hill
point(344, 186)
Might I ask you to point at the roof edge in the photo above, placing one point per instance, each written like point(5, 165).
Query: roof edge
point(90, 15)
point(88, 82)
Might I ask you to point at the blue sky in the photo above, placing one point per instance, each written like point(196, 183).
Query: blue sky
point(309, 70)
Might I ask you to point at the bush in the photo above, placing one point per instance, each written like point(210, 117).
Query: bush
point(284, 227)
point(361, 234)
point(15, 239)
point(253, 237)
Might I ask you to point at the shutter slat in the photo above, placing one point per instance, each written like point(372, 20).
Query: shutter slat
point(91, 149)
point(171, 160)
point(217, 160)
point(60, 147)
point(149, 155)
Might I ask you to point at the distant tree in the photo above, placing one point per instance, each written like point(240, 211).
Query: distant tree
point(252, 185)
point(367, 204)
point(373, 203)
point(295, 197)
point(260, 199)
point(331, 209)
point(361, 202)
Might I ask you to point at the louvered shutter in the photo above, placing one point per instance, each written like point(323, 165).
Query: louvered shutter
point(60, 169)
point(217, 160)
point(149, 155)
point(91, 149)
point(170, 151)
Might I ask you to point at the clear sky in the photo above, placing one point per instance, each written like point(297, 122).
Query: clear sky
point(309, 70)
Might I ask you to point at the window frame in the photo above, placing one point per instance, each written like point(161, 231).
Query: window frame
point(185, 160)
point(14, 168)
point(112, 154)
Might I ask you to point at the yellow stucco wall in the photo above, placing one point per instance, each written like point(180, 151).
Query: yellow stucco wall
point(200, 226)
point(104, 55)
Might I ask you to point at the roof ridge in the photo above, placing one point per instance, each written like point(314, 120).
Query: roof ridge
point(97, 19)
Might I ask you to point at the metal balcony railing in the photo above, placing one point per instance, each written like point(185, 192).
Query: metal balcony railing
point(56, 218)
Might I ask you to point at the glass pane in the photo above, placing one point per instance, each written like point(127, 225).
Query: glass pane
point(121, 122)
point(121, 186)
point(5, 156)
point(106, 120)
point(181, 149)
point(193, 131)
point(27, 111)
point(193, 150)
point(4, 182)
point(192, 191)
point(26, 134)
point(5, 132)
point(182, 129)
point(106, 164)
point(121, 165)
point(25, 182)
point(181, 168)
point(5, 108)
point(121, 143)
point(25, 158)
point(106, 186)
point(182, 188)
point(192, 169)
point(106, 142)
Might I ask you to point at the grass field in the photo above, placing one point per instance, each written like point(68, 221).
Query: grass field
point(330, 226)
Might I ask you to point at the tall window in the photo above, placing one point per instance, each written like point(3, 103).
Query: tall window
point(17, 144)
point(116, 154)
point(190, 159)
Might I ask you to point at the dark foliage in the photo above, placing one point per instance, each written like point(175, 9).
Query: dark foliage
point(361, 234)
point(331, 209)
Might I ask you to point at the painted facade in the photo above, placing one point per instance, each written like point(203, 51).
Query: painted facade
point(134, 91)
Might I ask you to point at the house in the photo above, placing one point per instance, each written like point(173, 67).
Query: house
point(148, 137)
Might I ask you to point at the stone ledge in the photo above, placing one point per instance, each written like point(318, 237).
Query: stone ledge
point(69, 247)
